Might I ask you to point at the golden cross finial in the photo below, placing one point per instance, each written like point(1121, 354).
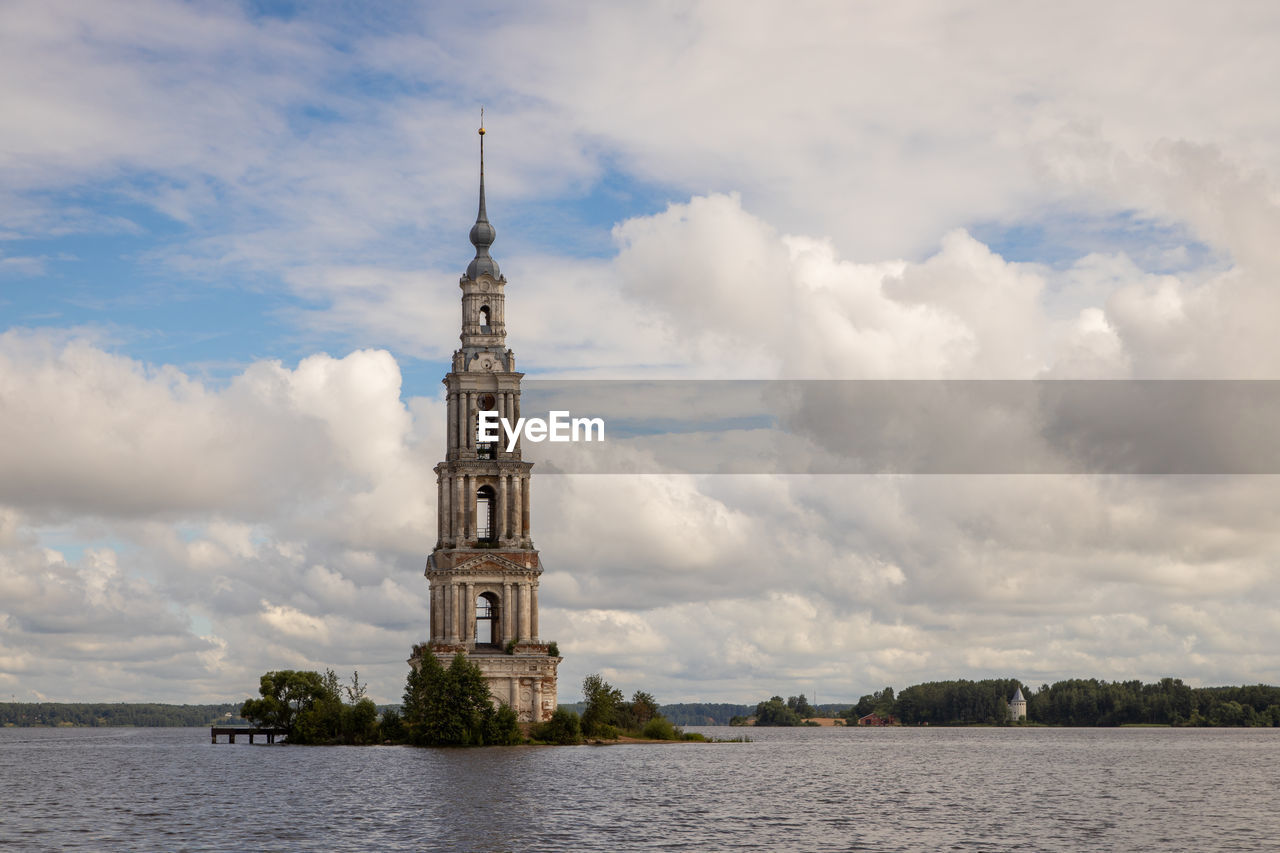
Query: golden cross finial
point(482, 121)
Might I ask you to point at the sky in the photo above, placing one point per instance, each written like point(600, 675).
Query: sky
point(230, 240)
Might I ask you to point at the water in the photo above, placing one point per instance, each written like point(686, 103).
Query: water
point(790, 789)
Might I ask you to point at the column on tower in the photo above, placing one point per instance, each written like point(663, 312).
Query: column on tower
point(446, 599)
point(469, 608)
point(446, 603)
point(459, 592)
point(501, 511)
point(450, 610)
point(457, 509)
point(524, 507)
point(458, 627)
point(442, 625)
point(442, 604)
point(448, 508)
point(515, 416)
point(526, 626)
point(459, 421)
point(513, 521)
point(519, 591)
point(515, 610)
point(504, 624)
point(441, 511)
point(469, 506)
point(431, 611)
point(533, 611)
point(450, 418)
point(439, 628)
point(470, 419)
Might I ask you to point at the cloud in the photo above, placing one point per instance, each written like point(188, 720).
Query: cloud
point(738, 584)
point(284, 513)
point(879, 129)
point(860, 580)
point(85, 431)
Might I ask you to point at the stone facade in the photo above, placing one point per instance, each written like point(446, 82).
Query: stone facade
point(484, 571)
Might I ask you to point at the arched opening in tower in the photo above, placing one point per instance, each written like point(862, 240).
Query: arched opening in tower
point(484, 317)
point(487, 620)
point(484, 514)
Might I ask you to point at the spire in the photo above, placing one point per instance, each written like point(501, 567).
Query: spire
point(482, 233)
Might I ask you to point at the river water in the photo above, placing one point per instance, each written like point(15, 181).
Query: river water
point(923, 789)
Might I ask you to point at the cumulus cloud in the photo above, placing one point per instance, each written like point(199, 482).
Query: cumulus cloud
point(86, 431)
point(276, 521)
point(843, 581)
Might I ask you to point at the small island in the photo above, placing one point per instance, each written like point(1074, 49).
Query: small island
point(445, 706)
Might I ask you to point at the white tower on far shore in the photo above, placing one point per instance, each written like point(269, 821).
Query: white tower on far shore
point(1017, 706)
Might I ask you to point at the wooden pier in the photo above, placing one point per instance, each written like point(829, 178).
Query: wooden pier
point(232, 731)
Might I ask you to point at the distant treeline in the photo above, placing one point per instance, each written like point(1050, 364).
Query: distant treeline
point(703, 713)
point(712, 713)
point(684, 713)
point(1098, 703)
point(1077, 702)
point(115, 714)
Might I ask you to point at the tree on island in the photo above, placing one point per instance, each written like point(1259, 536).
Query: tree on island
point(600, 719)
point(793, 711)
point(452, 707)
point(880, 703)
point(308, 708)
point(801, 706)
point(776, 712)
point(608, 715)
point(637, 713)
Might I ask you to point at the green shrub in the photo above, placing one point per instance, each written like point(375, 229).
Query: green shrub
point(553, 649)
point(660, 728)
point(392, 726)
point(503, 727)
point(360, 722)
point(563, 728)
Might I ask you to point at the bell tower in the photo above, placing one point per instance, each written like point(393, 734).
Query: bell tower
point(484, 571)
